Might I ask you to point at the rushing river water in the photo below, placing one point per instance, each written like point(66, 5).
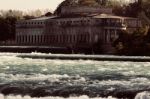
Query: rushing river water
point(23, 78)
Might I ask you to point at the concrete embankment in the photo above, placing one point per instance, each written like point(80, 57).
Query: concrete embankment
point(29, 49)
point(88, 57)
point(66, 54)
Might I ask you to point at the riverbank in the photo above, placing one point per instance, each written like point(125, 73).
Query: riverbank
point(48, 49)
point(67, 54)
point(29, 49)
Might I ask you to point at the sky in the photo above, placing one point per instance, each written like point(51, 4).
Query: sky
point(29, 4)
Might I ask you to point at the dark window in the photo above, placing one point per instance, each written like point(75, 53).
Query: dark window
point(64, 38)
point(32, 39)
point(29, 38)
point(49, 38)
point(74, 37)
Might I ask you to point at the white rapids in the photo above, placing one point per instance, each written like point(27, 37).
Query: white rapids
point(75, 79)
point(28, 97)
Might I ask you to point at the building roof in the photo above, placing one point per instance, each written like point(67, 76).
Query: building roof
point(111, 16)
point(43, 18)
point(108, 16)
point(37, 19)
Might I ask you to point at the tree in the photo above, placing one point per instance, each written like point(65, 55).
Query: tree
point(102, 2)
point(58, 9)
point(14, 13)
point(4, 29)
point(132, 44)
point(146, 7)
point(48, 14)
point(12, 29)
point(27, 17)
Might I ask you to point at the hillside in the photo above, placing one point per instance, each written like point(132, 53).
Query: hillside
point(80, 2)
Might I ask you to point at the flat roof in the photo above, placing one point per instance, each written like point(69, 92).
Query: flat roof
point(37, 19)
point(43, 18)
point(108, 16)
point(112, 16)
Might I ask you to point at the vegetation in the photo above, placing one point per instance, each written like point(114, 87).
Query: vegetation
point(132, 44)
point(8, 20)
point(138, 42)
point(109, 3)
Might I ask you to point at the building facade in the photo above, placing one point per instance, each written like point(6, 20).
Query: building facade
point(84, 28)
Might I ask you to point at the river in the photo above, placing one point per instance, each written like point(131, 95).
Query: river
point(27, 78)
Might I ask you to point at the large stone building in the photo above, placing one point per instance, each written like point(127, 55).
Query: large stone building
point(81, 28)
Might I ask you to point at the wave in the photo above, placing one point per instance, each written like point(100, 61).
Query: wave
point(76, 79)
point(143, 95)
point(28, 97)
point(37, 85)
point(41, 78)
point(73, 55)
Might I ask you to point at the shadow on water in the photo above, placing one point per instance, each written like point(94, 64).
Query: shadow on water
point(66, 91)
point(114, 76)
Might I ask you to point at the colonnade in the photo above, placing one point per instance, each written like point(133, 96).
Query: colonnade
point(53, 39)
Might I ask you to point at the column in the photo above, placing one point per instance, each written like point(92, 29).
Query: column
point(108, 36)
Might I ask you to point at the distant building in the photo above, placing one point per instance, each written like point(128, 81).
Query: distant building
point(31, 32)
point(78, 28)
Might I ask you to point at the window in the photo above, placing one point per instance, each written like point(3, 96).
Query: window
point(74, 37)
point(26, 38)
point(48, 38)
point(56, 38)
point(29, 38)
point(87, 38)
point(69, 39)
point(32, 39)
point(22, 38)
point(64, 38)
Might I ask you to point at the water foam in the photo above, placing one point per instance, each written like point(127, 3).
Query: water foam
point(143, 95)
point(28, 97)
point(8, 78)
point(35, 77)
point(94, 75)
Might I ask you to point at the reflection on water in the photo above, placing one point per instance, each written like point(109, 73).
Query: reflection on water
point(77, 79)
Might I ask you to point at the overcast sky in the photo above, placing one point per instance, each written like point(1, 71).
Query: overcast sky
point(29, 4)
